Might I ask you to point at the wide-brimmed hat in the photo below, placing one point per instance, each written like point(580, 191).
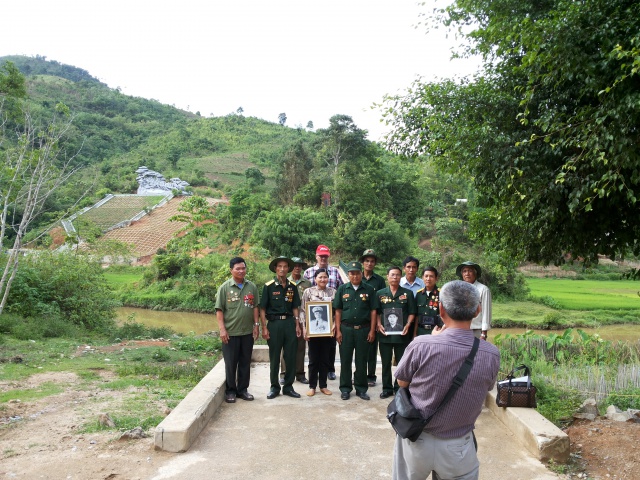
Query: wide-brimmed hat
point(299, 261)
point(274, 262)
point(469, 264)
point(369, 252)
point(354, 267)
point(323, 250)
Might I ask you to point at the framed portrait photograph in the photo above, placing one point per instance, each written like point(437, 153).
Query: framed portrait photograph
point(319, 319)
point(392, 321)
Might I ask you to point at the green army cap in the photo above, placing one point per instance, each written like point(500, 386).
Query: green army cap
point(299, 261)
point(369, 252)
point(469, 264)
point(354, 266)
point(274, 262)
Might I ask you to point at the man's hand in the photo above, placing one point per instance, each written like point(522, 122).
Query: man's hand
point(265, 333)
point(339, 337)
point(406, 329)
point(438, 330)
point(382, 330)
point(224, 336)
point(256, 332)
point(298, 330)
point(372, 336)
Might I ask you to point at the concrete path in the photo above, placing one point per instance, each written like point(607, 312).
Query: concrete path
point(323, 437)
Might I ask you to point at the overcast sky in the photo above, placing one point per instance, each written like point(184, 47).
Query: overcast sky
point(310, 60)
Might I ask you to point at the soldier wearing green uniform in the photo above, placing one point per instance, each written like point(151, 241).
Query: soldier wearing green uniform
point(237, 315)
point(302, 283)
point(280, 327)
point(402, 301)
point(355, 315)
point(428, 301)
point(369, 260)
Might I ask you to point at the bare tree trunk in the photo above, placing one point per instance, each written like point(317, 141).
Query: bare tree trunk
point(35, 177)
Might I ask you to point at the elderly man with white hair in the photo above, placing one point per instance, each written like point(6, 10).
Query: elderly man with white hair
point(446, 447)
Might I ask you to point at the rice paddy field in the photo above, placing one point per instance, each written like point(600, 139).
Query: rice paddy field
point(588, 294)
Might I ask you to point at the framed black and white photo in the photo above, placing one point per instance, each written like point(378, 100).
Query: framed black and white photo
point(319, 319)
point(392, 321)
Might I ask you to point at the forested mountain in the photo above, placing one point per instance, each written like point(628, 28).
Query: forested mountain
point(275, 177)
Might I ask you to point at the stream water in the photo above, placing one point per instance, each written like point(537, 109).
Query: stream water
point(184, 322)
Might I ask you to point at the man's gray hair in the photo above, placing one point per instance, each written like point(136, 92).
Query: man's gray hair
point(460, 300)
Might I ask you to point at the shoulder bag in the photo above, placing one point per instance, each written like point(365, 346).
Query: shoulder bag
point(406, 419)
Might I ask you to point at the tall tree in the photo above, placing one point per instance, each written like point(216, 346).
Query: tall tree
point(293, 174)
point(548, 131)
point(341, 141)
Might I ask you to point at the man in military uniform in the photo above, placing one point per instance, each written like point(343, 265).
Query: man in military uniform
point(355, 316)
point(399, 300)
point(279, 306)
point(470, 272)
point(302, 283)
point(428, 302)
point(237, 315)
point(369, 260)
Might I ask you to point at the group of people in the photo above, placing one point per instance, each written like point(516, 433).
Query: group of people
point(406, 316)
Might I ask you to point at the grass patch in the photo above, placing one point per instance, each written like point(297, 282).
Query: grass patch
point(45, 390)
point(124, 422)
point(117, 279)
point(588, 294)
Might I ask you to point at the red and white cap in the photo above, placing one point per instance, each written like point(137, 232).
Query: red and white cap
point(323, 250)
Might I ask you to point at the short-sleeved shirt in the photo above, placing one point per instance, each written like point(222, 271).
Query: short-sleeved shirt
point(356, 304)
point(483, 320)
point(428, 304)
point(302, 284)
point(375, 280)
point(417, 284)
point(404, 300)
point(237, 306)
point(279, 299)
point(429, 364)
point(335, 280)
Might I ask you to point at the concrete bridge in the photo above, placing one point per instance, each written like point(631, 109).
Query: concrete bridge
point(324, 437)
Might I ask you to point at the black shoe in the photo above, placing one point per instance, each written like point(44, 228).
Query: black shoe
point(272, 394)
point(303, 379)
point(245, 396)
point(345, 396)
point(332, 375)
point(230, 397)
point(363, 396)
point(386, 394)
point(292, 394)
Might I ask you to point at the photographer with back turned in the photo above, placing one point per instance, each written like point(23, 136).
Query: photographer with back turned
point(427, 368)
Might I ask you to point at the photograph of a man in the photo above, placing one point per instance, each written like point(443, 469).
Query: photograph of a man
point(393, 323)
point(319, 323)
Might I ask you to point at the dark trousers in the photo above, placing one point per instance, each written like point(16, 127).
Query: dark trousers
point(354, 341)
point(282, 338)
point(332, 364)
point(237, 363)
point(319, 360)
point(372, 360)
point(387, 351)
point(299, 359)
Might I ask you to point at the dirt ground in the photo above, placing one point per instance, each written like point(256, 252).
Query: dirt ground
point(605, 449)
point(43, 438)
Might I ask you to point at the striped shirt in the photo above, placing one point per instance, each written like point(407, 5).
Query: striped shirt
point(429, 364)
point(334, 276)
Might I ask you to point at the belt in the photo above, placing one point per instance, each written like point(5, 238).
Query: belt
point(356, 327)
point(425, 326)
point(278, 317)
